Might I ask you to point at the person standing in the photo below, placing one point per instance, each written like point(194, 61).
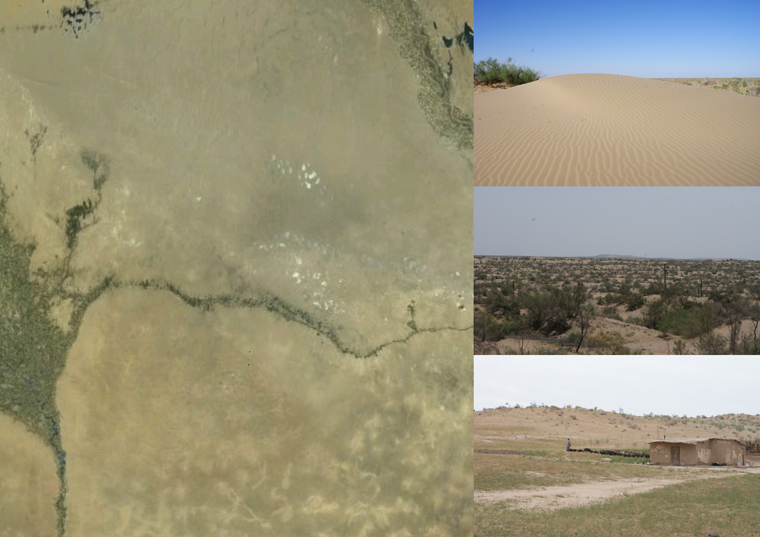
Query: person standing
point(568, 445)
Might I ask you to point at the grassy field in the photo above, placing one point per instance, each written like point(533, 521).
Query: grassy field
point(725, 507)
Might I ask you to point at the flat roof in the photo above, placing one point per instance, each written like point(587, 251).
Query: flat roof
point(692, 441)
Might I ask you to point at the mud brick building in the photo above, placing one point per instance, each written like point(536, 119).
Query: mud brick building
point(697, 451)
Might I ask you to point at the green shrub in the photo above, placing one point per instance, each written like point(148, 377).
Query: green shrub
point(697, 321)
point(573, 338)
point(634, 301)
point(655, 313)
point(711, 343)
point(490, 72)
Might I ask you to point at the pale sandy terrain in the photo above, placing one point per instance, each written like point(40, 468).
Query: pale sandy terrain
point(28, 485)
point(514, 428)
point(599, 129)
point(635, 337)
point(239, 237)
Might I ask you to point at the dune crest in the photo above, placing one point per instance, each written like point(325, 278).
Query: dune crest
point(614, 130)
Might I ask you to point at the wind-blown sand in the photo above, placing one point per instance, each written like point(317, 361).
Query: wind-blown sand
point(598, 130)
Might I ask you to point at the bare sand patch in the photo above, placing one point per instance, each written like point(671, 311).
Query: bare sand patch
point(485, 88)
point(599, 130)
point(28, 485)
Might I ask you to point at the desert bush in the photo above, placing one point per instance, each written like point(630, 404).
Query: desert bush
point(490, 72)
point(711, 343)
point(538, 305)
point(514, 325)
point(654, 288)
point(573, 338)
point(679, 347)
point(654, 313)
point(634, 301)
point(529, 75)
point(487, 328)
point(695, 321)
point(748, 345)
point(611, 343)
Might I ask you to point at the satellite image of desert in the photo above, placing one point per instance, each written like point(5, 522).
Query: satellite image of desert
point(235, 268)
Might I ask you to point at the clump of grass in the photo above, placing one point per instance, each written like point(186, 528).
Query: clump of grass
point(491, 72)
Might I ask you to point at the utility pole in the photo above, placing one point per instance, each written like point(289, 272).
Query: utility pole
point(665, 280)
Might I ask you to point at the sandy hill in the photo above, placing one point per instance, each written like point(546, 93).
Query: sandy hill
point(598, 129)
point(502, 427)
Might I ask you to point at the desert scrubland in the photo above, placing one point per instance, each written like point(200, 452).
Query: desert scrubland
point(608, 305)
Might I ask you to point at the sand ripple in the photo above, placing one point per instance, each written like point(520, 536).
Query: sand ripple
point(597, 130)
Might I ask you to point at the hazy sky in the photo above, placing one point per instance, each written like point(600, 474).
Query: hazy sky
point(697, 386)
point(675, 222)
point(647, 39)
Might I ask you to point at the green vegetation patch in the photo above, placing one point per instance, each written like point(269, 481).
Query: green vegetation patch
point(491, 72)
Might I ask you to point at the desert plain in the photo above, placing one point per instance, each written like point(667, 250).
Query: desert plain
point(227, 304)
point(614, 130)
point(527, 484)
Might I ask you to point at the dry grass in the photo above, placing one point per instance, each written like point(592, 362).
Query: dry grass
point(537, 435)
point(508, 472)
point(719, 506)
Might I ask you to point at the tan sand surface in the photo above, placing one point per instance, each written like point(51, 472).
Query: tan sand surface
point(239, 237)
point(599, 129)
point(28, 485)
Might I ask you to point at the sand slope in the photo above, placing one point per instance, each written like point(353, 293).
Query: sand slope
point(597, 129)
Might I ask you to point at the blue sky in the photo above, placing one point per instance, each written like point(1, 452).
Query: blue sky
point(645, 39)
point(674, 222)
point(597, 381)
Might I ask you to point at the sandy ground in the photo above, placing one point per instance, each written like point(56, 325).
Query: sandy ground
point(486, 88)
point(635, 337)
point(514, 427)
point(599, 130)
point(550, 498)
point(28, 485)
point(339, 207)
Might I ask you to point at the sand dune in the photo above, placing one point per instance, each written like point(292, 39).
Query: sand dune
point(597, 130)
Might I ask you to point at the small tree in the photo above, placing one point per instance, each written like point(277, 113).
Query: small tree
point(586, 313)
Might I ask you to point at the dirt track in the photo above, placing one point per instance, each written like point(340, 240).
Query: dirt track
point(550, 498)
